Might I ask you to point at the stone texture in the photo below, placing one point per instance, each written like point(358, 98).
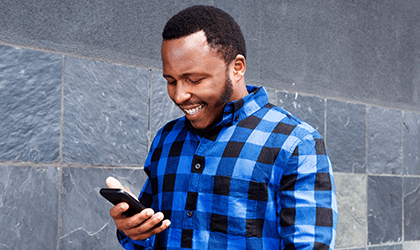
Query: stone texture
point(119, 31)
point(308, 108)
point(389, 247)
point(414, 245)
point(346, 136)
point(162, 108)
point(30, 100)
point(352, 219)
point(384, 141)
point(28, 207)
point(367, 51)
point(384, 209)
point(364, 50)
point(105, 113)
point(411, 208)
point(85, 219)
point(411, 146)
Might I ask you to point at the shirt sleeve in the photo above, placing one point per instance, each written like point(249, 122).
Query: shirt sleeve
point(306, 202)
point(130, 244)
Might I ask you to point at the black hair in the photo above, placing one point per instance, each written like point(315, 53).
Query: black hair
point(221, 30)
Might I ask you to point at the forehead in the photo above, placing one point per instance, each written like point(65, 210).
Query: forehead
point(188, 52)
point(194, 43)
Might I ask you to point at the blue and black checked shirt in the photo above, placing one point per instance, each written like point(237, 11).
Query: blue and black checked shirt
point(260, 179)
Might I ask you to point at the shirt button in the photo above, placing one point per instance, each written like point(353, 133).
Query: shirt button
point(190, 213)
point(197, 166)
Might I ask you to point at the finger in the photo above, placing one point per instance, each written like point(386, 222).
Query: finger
point(145, 231)
point(134, 226)
point(155, 229)
point(117, 211)
point(111, 182)
point(150, 223)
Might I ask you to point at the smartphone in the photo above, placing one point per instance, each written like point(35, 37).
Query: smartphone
point(116, 196)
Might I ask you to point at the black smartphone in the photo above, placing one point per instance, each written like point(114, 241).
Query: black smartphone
point(116, 196)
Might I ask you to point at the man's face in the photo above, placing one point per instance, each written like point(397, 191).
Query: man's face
point(198, 78)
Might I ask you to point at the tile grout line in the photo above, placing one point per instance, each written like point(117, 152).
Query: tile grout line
point(367, 175)
point(59, 207)
point(402, 177)
point(60, 168)
point(61, 112)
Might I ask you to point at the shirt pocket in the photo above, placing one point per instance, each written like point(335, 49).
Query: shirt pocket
point(235, 204)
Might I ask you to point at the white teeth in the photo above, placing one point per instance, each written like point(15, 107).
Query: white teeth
point(194, 110)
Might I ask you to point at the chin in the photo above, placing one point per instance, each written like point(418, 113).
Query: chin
point(198, 125)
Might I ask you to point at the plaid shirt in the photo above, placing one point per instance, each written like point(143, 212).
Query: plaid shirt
point(260, 179)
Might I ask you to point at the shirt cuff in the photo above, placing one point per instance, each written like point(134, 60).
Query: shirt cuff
point(130, 244)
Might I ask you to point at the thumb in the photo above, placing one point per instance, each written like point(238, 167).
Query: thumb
point(111, 182)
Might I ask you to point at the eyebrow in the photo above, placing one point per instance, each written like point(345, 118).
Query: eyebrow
point(166, 76)
point(186, 75)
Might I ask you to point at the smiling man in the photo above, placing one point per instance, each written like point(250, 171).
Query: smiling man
point(199, 80)
point(236, 172)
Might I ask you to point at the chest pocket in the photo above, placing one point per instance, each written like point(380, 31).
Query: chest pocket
point(238, 206)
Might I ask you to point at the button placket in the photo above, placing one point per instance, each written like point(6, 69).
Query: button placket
point(197, 167)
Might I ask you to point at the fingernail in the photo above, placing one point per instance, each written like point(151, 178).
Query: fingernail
point(149, 213)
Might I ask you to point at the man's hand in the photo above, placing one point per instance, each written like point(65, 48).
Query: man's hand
point(139, 226)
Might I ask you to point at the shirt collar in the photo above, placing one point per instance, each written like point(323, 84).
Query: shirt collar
point(236, 111)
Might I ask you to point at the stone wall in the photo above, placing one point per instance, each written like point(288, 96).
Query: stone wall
point(81, 97)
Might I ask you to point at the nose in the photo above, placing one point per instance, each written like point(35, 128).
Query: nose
point(181, 93)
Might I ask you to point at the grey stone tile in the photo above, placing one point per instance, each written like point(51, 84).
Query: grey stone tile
point(384, 209)
point(85, 219)
point(414, 245)
point(411, 144)
point(30, 105)
point(308, 108)
point(162, 107)
point(411, 208)
point(105, 113)
point(28, 207)
point(384, 141)
point(387, 247)
point(346, 136)
point(344, 49)
point(127, 31)
point(352, 218)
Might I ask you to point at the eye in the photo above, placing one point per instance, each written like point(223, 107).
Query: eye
point(171, 82)
point(197, 81)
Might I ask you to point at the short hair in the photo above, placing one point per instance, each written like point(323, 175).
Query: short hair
point(221, 30)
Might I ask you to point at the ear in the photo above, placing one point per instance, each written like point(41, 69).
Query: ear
point(239, 68)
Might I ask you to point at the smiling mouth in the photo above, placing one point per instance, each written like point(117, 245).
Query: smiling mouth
point(194, 110)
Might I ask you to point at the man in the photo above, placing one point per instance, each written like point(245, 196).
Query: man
point(235, 172)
